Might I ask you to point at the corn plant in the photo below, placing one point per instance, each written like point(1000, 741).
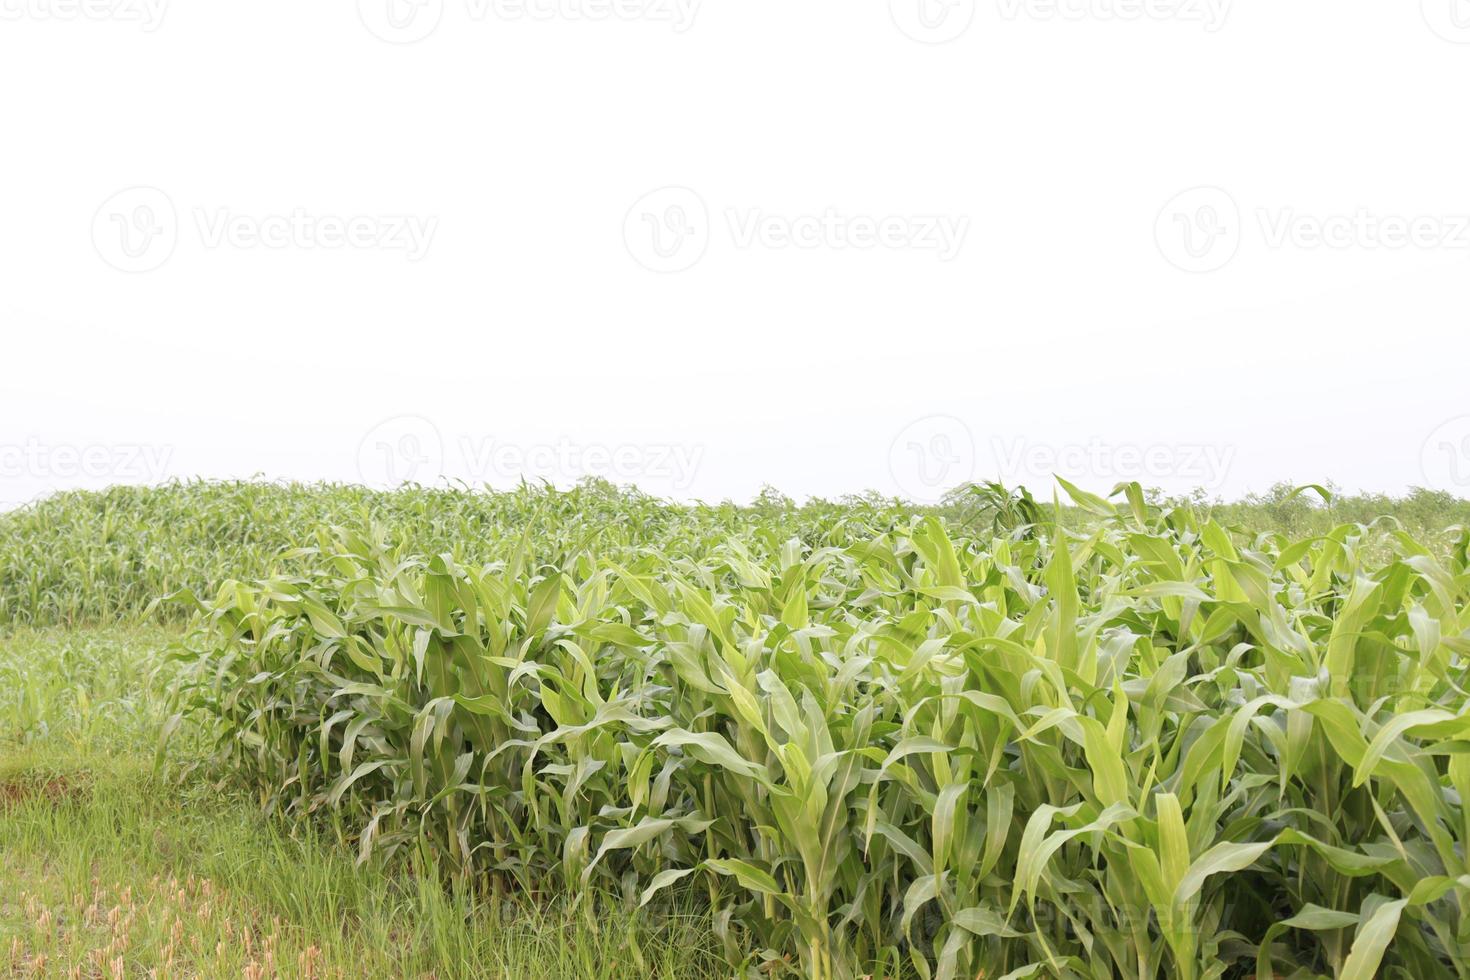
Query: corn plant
point(1145, 745)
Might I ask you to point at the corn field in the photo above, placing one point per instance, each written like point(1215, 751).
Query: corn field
point(84, 558)
point(80, 558)
point(874, 742)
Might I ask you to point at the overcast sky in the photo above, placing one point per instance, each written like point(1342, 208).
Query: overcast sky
point(702, 247)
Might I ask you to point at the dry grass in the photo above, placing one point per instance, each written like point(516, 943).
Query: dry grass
point(167, 928)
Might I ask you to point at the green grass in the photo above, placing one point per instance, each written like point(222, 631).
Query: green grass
point(101, 861)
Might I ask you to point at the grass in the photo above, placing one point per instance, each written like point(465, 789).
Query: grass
point(107, 870)
point(593, 734)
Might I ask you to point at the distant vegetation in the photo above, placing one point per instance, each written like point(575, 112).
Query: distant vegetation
point(101, 557)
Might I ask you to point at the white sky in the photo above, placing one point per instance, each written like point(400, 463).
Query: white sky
point(993, 278)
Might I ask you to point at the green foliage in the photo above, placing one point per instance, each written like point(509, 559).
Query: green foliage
point(99, 860)
point(1423, 513)
point(99, 558)
point(1002, 510)
point(93, 692)
point(83, 557)
point(1145, 745)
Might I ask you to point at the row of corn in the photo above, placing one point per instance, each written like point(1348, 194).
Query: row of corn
point(1151, 747)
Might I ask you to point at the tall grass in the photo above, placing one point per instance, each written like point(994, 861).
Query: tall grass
point(1145, 745)
point(104, 873)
